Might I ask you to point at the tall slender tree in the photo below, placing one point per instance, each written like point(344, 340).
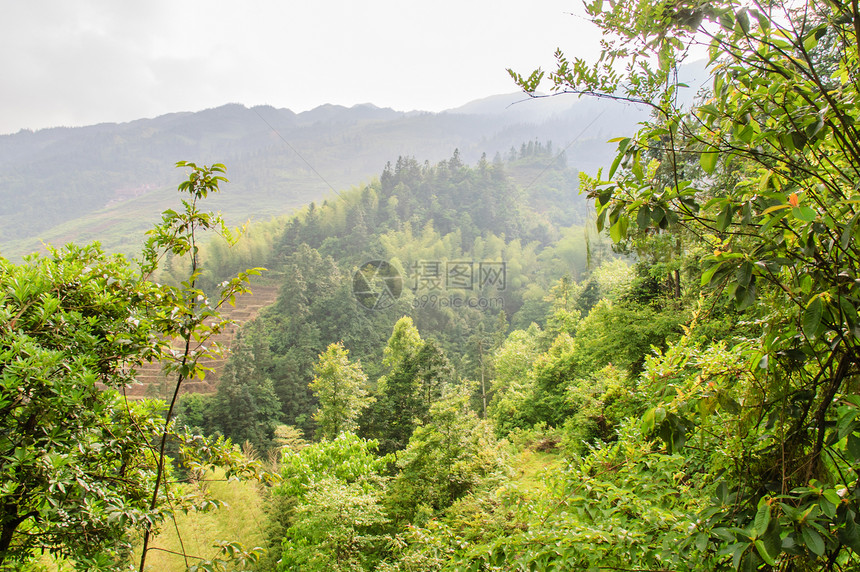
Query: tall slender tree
point(340, 388)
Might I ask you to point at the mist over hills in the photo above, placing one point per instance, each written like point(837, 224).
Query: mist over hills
point(109, 182)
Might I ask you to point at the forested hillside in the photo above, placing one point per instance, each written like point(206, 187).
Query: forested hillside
point(415, 217)
point(484, 365)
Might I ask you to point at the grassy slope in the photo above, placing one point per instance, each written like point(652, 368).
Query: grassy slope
point(530, 466)
point(122, 227)
point(242, 520)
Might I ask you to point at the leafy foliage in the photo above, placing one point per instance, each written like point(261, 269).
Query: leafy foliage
point(339, 387)
point(626, 506)
point(332, 490)
point(445, 459)
point(333, 529)
point(347, 457)
point(600, 404)
point(760, 177)
point(75, 464)
point(85, 470)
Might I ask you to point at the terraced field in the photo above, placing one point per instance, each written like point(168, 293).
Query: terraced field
point(153, 383)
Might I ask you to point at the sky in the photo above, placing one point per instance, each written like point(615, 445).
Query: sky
point(91, 61)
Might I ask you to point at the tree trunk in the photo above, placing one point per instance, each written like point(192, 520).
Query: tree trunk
point(11, 521)
point(483, 392)
point(6, 540)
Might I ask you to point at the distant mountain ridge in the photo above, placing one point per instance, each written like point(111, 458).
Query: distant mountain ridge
point(109, 181)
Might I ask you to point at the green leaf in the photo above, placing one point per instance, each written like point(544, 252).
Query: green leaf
point(615, 163)
point(622, 150)
point(745, 295)
point(750, 561)
point(804, 213)
point(848, 232)
point(708, 274)
point(637, 170)
point(846, 424)
point(746, 133)
point(725, 217)
point(708, 160)
point(775, 208)
point(722, 492)
point(810, 42)
point(648, 421)
point(764, 181)
point(743, 21)
point(643, 217)
point(601, 220)
point(799, 140)
point(813, 540)
point(762, 516)
point(658, 215)
point(762, 551)
point(772, 538)
point(849, 534)
point(701, 541)
point(832, 496)
point(827, 507)
point(853, 446)
point(744, 273)
point(812, 317)
point(618, 231)
point(605, 196)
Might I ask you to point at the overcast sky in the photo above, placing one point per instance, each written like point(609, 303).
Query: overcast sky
point(90, 61)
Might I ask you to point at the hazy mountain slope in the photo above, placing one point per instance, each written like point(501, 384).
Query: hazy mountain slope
point(110, 181)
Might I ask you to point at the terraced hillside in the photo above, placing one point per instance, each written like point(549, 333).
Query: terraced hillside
point(153, 383)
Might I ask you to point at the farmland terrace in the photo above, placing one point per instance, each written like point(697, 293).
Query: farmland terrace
point(151, 379)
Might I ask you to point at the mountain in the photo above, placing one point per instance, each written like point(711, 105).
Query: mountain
point(108, 182)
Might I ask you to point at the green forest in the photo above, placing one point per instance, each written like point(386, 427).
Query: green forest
point(505, 365)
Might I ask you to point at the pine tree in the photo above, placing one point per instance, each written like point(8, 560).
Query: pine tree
point(246, 407)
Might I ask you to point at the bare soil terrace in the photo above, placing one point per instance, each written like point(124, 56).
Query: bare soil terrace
point(153, 383)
